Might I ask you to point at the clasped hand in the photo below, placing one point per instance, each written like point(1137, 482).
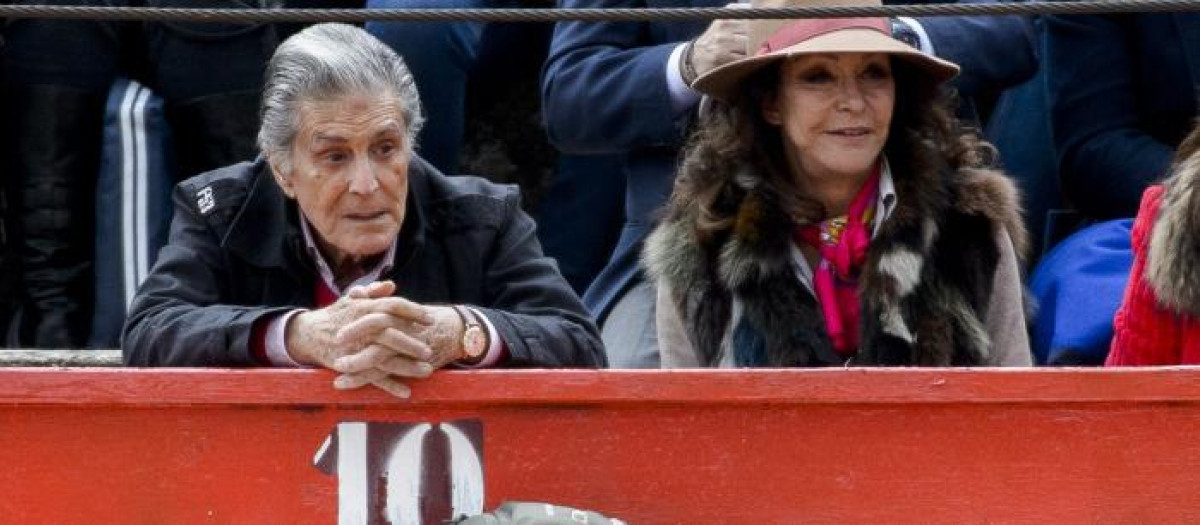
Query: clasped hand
point(372, 337)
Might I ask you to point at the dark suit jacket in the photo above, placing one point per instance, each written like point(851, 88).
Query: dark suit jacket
point(605, 91)
point(1122, 95)
point(995, 52)
point(236, 254)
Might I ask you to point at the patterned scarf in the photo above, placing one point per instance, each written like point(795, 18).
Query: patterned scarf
point(842, 243)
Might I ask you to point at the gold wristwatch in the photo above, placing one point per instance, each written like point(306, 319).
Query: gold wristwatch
point(475, 337)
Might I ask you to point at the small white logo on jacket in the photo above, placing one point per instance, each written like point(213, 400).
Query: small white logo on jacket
point(205, 200)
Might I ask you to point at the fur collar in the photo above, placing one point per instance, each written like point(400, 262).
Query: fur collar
point(1171, 267)
point(754, 265)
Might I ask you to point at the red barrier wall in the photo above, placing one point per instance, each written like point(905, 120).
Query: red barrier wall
point(788, 446)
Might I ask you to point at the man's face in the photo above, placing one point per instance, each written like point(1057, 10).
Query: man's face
point(349, 173)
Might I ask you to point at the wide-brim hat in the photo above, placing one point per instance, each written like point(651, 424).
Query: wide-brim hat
point(769, 41)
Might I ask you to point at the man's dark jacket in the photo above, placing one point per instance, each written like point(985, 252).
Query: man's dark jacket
point(236, 254)
point(1121, 90)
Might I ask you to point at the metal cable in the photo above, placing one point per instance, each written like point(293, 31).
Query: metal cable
point(154, 14)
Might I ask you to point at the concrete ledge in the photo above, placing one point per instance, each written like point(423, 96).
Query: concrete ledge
point(66, 358)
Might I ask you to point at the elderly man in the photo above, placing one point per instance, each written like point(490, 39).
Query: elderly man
point(340, 248)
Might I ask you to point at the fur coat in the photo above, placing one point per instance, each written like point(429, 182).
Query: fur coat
point(925, 290)
point(1158, 322)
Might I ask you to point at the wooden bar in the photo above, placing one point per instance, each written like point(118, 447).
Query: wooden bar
point(181, 446)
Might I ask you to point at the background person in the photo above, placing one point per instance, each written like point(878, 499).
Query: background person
point(56, 75)
point(1116, 121)
point(486, 73)
point(1122, 95)
point(1158, 322)
point(381, 268)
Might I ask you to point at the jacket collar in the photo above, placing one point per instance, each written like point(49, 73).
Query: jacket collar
point(266, 230)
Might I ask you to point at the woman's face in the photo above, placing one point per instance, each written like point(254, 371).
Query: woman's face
point(349, 172)
point(833, 111)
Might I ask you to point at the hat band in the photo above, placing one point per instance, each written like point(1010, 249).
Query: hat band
point(801, 30)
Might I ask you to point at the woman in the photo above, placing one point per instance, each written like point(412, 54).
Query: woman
point(1158, 322)
point(830, 211)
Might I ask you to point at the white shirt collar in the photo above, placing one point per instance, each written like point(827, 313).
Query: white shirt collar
point(887, 197)
point(384, 265)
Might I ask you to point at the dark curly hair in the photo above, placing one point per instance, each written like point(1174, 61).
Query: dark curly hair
point(733, 149)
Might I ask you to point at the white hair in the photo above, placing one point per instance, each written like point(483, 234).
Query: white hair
point(325, 62)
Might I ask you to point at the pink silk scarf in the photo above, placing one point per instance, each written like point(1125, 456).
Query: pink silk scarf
point(842, 243)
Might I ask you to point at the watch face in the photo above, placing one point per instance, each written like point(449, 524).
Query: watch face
point(473, 341)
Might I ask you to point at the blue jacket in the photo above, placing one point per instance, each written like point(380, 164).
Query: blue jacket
point(604, 90)
point(1078, 287)
point(1122, 95)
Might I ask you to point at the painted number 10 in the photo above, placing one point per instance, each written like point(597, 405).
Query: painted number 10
point(405, 473)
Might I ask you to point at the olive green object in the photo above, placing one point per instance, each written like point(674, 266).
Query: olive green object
point(530, 513)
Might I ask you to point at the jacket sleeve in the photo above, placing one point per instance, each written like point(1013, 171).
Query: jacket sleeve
point(1005, 319)
point(178, 317)
point(995, 52)
point(534, 310)
point(1144, 333)
point(604, 88)
point(1105, 160)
